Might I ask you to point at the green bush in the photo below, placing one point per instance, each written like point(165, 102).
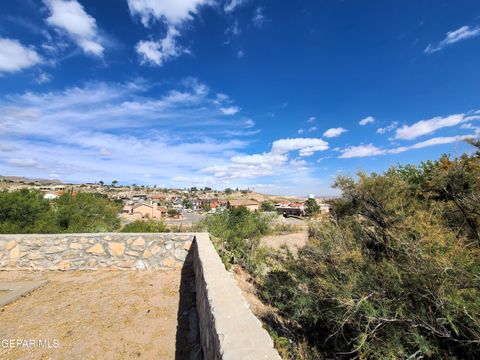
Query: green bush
point(267, 206)
point(236, 234)
point(395, 272)
point(86, 212)
point(25, 211)
point(145, 226)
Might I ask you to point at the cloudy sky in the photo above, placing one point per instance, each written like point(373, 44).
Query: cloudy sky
point(279, 96)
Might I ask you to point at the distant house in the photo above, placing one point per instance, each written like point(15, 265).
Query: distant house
point(251, 205)
point(139, 198)
point(148, 211)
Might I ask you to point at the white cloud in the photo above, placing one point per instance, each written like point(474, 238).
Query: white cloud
point(275, 162)
point(424, 127)
point(300, 131)
point(367, 120)
point(311, 119)
point(306, 146)
point(240, 54)
point(361, 151)
point(43, 78)
point(462, 33)
point(393, 125)
point(231, 5)
point(371, 150)
point(173, 12)
point(231, 110)
point(14, 56)
point(258, 18)
point(158, 52)
point(430, 142)
point(334, 132)
point(71, 18)
point(108, 131)
point(249, 123)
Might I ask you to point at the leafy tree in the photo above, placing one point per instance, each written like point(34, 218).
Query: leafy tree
point(24, 211)
point(311, 207)
point(85, 212)
point(228, 191)
point(187, 204)
point(114, 183)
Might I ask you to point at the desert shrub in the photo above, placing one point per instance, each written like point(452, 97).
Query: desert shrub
point(395, 272)
point(267, 206)
point(145, 226)
point(236, 234)
point(284, 228)
point(173, 212)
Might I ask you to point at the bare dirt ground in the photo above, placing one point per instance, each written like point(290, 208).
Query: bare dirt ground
point(102, 315)
point(293, 241)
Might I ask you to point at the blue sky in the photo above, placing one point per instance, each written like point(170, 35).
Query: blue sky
point(278, 96)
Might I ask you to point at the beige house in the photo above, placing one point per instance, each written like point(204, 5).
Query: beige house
point(251, 205)
point(148, 211)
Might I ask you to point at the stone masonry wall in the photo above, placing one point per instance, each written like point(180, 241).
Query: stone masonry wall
point(228, 329)
point(94, 251)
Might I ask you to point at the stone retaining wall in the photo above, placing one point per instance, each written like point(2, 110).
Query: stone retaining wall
point(228, 329)
point(94, 251)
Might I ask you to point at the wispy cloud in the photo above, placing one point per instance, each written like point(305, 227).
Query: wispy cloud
point(231, 110)
point(258, 18)
point(462, 33)
point(424, 127)
point(393, 125)
point(111, 130)
point(231, 5)
point(371, 150)
point(361, 151)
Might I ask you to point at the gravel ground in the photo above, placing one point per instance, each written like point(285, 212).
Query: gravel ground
point(103, 315)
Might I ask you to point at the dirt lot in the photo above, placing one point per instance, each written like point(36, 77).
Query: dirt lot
point(102, 315)
point(293, 241)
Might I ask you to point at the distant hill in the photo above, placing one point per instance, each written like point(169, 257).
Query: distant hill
point(22, 179)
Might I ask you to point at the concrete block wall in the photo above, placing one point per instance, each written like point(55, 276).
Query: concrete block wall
point(228, 328)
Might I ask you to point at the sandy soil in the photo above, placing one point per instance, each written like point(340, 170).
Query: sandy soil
point(101, 315)
point(293, 241)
